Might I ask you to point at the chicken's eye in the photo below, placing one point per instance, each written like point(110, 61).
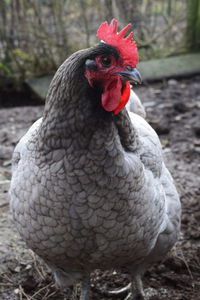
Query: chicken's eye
point(106, 61)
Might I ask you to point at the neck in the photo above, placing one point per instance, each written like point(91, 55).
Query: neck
point(73, 114)
point(72, 111)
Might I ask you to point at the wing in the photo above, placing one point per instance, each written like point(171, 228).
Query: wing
point(21, 151)
point(22, 173)
point(152, 158)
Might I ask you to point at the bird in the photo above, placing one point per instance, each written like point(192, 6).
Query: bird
point(134, 105)
point(90, 188)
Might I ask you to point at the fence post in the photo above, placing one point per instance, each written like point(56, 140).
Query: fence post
point(193, 25)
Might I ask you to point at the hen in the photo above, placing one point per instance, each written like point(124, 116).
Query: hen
point(89, 187)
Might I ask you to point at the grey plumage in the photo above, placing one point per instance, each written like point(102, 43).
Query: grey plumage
point(89, 189)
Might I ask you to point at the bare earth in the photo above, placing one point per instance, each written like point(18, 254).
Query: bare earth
point(173, 109)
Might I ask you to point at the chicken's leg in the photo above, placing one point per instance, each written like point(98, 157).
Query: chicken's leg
point(85, 288)
point(137, 292)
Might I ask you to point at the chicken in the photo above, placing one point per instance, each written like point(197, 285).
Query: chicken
point(134, 105)
point(89, 186)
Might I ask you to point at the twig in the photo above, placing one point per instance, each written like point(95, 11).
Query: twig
point(4, 204)
point(40, 290)
point(20, 295)
point(24, 294)
point(161, 33)
point(41, 273)
point(6, 284)
point(7, 278)
point(186, 264)
point(50, 295)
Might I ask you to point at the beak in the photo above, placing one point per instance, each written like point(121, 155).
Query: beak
point(133, 75)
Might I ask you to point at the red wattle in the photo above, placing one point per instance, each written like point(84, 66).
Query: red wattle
point(111, 96)
point(124, 97)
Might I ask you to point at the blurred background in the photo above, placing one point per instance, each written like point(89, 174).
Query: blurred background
point(37, 35)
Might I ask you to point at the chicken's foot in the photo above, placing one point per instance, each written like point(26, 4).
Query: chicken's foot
point(134, 290)
point(118, 292)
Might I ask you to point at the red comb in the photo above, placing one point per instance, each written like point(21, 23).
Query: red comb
point(126, 45)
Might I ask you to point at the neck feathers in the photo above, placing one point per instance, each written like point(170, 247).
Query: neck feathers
point(73, 112)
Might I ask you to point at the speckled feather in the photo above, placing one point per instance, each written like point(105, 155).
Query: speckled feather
point(89, 189)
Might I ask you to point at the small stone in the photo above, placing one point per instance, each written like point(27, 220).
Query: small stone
point(169, 105)
point(191, 105)
point(172, 82)
point(165, 105)
point(187, 126)
point(165, 142)
point(198, 102)
point(16, 291)
point(28, 267)
point(178, 118)
point(17, 269)
point(149, 104)
point(196, 142)
point(157, 92)
point(182, 85)
point(7, 163)
point(197, 149)
point(155, 121)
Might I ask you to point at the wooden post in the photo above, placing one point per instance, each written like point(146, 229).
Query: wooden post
point(193, 28)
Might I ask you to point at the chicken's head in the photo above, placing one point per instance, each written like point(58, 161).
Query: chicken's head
point(114, 66)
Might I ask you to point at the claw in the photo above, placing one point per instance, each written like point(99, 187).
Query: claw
point(118, 292)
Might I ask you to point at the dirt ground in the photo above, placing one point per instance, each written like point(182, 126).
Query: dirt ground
point(173, 109)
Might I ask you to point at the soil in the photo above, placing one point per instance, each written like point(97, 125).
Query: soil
point(173, 110)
